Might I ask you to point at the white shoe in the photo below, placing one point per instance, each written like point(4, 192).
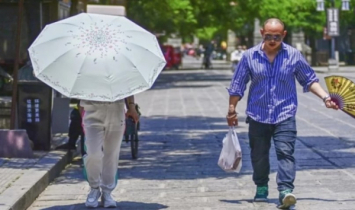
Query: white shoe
point(92, 200)
point(107, 200)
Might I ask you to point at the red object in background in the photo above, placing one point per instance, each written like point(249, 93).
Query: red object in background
point(173, 56)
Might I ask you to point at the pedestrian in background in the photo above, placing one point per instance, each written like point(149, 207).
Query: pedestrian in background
point(272, 67)
point(208, 55)
point(75, 130)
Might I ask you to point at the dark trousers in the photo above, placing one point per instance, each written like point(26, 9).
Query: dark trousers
point(284, 136)
point(74, 133)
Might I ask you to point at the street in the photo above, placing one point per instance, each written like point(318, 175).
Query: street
point(181, 135)
point(190, 62)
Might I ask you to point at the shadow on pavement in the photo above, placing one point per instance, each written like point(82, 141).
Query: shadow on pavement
point(238, 201)
point(325, 200)
point(175, 85)
point(185, 80)
point(126, 205)
point(275, 201)
point(259, 205)
point(192, 77)
point(187, 148)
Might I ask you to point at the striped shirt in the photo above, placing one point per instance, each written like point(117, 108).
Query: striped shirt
point(272, 94)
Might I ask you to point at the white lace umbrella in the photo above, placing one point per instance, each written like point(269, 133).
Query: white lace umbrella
point(96, 57)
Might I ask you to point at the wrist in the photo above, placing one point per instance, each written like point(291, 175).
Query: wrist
point(231, 108)
point(232, 113)
point(326, 98)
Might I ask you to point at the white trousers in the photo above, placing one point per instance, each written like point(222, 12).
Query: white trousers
point(104, 125)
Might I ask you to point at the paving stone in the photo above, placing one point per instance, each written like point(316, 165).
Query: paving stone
point(183, 126)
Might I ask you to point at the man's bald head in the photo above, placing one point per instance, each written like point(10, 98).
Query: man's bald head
point(273, 33)
point(274, 21)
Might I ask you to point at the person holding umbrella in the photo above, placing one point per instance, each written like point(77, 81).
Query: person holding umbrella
point(101, 60)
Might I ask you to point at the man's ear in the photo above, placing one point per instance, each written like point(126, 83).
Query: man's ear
point(285, 32)
point(262, 32)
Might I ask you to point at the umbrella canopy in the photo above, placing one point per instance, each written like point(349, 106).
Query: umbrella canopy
point(96, 57)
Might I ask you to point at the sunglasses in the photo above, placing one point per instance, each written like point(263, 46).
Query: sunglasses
point(269, 37)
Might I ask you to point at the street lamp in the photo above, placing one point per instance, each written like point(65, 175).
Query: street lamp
point(333, 25)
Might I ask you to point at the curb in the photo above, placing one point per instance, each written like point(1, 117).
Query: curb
point(35, 180)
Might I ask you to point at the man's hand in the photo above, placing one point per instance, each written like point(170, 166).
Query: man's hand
point(330, 104)
point(232, 117)
point(318, 90)
point(132, 112)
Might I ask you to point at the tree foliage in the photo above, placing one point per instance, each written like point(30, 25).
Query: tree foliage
point(205, 18)
point(296, 14)
point(186, 17)
point(302, 14)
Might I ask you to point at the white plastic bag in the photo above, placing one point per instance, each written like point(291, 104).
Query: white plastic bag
point(230, 159)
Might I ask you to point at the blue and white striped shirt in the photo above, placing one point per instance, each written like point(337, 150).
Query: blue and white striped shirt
point(272, 93)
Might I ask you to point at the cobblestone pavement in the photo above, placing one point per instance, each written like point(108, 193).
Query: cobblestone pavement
point(12, 169)
point(181, 134)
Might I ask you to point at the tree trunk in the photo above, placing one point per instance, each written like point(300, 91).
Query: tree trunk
point(312, 44)
point(31, 12)
point(250, 41)
point(74, 7)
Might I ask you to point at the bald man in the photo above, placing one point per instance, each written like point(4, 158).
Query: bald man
point(272, 67)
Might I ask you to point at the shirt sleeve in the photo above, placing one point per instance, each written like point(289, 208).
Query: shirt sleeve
point(304, 73)
point(240, 78)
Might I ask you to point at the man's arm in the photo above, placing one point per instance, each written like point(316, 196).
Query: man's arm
point(317, 90)
point(304, 74)
point(237, 89)
point(233, 102)
point(308, 79)
point(130, 102)
point(238, 84)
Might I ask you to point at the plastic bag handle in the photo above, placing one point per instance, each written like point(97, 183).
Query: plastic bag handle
point(231, 128)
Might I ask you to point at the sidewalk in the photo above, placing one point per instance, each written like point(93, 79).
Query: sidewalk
point(181, 137)
point(342, 69)
point(190, 63)
point(22, 180)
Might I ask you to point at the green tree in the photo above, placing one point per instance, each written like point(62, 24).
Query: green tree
point(187, 17)
point(170, 16)
point(206, 18)
point(294, 13)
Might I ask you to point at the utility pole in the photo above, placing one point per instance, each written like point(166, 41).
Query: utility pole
point(333, 28)
point(332, 47)
point(16, 65)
